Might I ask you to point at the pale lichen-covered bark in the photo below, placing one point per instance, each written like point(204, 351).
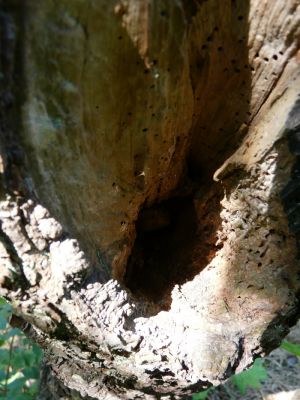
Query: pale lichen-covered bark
point(149, 188)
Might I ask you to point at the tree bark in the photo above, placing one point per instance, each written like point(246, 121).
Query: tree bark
point(149, 189)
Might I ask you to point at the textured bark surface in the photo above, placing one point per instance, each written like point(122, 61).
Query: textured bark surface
point(149, 188)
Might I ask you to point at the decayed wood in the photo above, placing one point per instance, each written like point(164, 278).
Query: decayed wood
point(149, 188)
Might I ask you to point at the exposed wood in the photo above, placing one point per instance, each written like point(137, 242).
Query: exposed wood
point(149, 188)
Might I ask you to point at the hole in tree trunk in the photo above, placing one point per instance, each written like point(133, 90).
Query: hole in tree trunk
point(174, 241)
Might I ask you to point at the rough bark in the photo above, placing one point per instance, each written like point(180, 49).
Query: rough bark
point(150, 188)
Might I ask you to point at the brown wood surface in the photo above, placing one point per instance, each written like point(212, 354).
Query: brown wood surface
point(150, 188)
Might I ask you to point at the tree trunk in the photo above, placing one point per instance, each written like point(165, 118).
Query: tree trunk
point(149, 188)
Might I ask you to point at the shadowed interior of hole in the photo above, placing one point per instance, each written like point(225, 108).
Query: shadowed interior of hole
point(166, 235)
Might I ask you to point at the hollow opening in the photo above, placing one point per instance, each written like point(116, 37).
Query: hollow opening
point(175, 240)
